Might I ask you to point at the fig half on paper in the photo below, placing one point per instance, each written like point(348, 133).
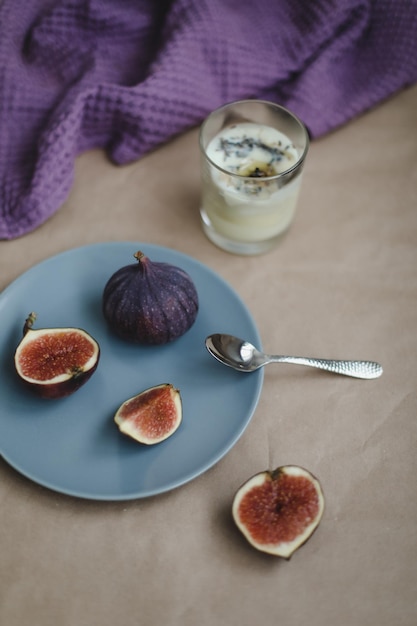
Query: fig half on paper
point(277, 511)
point(55, 362)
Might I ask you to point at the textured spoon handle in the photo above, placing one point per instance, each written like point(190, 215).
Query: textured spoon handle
point(357, 369)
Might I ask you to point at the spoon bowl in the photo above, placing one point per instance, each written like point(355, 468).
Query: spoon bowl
point(244, 357)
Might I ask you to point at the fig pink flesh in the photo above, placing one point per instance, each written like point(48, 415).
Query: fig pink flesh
point(280, 509)
point(51, 354)
point(152, 412)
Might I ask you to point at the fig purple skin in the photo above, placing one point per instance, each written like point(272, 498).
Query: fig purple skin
point(150, 303)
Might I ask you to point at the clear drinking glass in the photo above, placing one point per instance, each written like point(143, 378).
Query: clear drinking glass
point(253, 153)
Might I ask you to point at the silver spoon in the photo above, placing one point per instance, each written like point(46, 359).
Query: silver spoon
point(243, 356)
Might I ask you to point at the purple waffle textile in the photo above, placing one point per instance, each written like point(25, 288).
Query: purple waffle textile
point(127, 75)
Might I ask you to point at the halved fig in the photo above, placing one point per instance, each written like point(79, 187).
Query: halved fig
point(55, 362)
point(151, 416)
point(278, 511)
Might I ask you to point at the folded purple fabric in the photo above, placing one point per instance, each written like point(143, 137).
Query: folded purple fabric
point(126, 76)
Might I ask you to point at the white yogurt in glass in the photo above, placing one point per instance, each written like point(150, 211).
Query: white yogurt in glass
point(241, 198)
point(253, 153)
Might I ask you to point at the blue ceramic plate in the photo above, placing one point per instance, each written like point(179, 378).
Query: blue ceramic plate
point(72, 445)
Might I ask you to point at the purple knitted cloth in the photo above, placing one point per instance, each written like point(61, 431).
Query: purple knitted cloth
point(127, 75)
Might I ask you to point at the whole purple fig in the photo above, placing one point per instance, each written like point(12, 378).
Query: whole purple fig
point(150, 302)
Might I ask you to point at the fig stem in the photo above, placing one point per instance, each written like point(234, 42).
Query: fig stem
point(139, 256)
point(30, 320)
point(76, 371)
point(276, 473)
